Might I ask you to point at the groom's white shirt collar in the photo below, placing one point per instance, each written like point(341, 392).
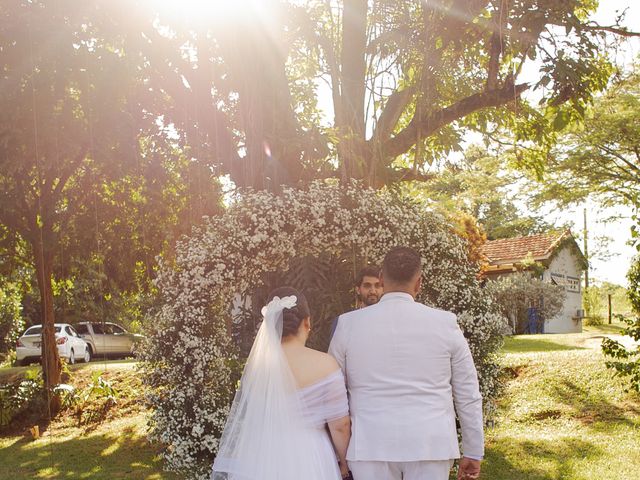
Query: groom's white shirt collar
point(398, 295)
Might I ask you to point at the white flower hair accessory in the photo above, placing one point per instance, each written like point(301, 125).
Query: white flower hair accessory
point(278, 304)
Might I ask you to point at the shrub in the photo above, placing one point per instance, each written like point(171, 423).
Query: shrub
point(9, 359)
point(319, 235)
point(24, 398)
point(516, 292)
point(89, 404)
point(11, 322)
point(626, 361)
point(633, 275)
point(592, 303)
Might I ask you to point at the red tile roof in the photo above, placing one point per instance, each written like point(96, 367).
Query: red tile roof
point(513, 250)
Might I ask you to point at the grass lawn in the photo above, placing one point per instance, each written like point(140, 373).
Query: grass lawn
point(115, 448)
point(563, 415)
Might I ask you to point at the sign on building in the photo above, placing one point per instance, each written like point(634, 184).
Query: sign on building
point(570, 284)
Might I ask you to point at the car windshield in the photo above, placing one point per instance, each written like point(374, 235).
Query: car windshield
point(37, 330)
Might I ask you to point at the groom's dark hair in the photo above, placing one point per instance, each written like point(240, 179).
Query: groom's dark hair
point(291, 317)
point(401, 264)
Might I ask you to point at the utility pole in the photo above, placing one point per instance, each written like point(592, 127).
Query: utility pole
point(586, 251)
point(610, 311)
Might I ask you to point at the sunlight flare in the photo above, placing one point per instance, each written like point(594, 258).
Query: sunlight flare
point(226, 10)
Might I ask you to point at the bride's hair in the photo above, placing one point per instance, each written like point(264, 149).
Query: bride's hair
point(291, 317)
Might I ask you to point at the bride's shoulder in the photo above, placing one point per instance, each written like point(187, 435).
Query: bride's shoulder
point(324, 362)
point(313, 368)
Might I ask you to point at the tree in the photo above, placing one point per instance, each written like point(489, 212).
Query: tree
point(598, 303)
point(481, 185)
point(11, 323)
point(90, 180)
point(601, 156)
point(67, 122)
point(634, 285)
point(406, 80)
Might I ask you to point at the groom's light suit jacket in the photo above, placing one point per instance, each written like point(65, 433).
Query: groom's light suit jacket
point(406, 366)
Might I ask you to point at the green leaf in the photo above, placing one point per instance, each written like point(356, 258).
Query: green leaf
point(561, 120)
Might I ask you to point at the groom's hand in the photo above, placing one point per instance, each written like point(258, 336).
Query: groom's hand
point(469, 469)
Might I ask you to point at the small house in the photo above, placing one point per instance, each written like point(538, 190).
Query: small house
point(562, 263)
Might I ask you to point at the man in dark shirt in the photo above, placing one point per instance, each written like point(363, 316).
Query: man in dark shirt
point(368, 290)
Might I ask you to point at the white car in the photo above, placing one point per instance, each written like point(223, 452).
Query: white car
point(70, 346)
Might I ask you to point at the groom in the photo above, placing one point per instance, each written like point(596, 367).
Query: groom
point(408, 370)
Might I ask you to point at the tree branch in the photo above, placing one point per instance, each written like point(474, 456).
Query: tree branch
point(410, 174)
point(619, 157)
point(391, 113)
point(621, 31)
point(218, 129)
point(429, 124)
point(495, 48)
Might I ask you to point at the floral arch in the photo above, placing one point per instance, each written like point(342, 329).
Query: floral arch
point(191, 361)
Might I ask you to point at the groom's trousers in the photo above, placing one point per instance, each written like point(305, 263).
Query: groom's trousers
point(425, 470)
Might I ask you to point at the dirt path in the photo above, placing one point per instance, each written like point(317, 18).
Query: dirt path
point(595, 341)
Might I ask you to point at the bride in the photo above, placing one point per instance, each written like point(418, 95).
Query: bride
point(290, 417)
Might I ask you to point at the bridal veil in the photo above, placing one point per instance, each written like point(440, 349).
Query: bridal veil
point(267, 436)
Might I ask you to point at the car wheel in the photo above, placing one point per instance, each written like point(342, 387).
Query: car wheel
point(23, 363)
point(72, 357)
point(87, 355)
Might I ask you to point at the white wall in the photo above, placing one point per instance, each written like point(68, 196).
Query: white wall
point(564, 268)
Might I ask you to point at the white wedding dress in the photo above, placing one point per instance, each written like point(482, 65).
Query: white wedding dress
point(323, 402)
point(274, 430)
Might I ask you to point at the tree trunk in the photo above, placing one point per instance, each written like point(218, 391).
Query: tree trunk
point(256, 58)
point(351, 149)
point(51, 365)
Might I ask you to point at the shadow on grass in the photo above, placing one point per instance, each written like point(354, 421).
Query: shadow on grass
point(125, 455)
point(615, 328)
point(523, 344)
point(513, 459)
point(594, 407)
